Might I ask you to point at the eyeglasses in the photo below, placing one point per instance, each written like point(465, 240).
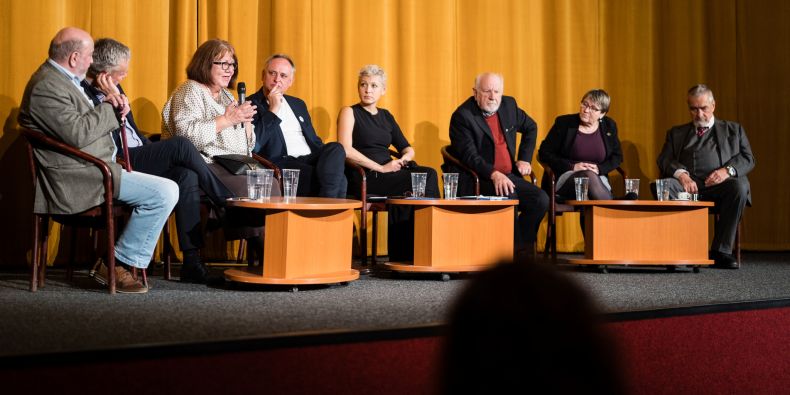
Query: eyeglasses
point(590, 107)
point(225, 65)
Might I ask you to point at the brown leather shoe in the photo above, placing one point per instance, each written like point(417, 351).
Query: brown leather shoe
point(124, 282)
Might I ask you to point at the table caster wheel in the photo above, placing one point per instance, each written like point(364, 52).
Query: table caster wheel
point(445, 277)
point(294, 289)
point(671, 268)
point(695, 269)
point(604, 269)
point(344, 283)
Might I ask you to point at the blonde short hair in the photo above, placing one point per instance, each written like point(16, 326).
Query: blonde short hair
point(371, 70)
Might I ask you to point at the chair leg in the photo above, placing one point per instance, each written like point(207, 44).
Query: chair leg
point(738, 244)
point(110, 228)
point(42, 262)
point(35, 253)
point(363, 236)
point(167, 250)
point(547, 244)
point(374, 247)
point(240, 252)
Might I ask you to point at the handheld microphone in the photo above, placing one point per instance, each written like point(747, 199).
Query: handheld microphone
point(241, 88)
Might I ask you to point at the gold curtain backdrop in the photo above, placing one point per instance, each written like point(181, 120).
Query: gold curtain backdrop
point(644, 53)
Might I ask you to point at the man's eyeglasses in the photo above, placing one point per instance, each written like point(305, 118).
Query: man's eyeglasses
point(590, 107)
point(225, 65)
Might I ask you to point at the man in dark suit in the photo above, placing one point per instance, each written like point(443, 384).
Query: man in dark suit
point(176, 158)
point(285, 134)
point(710, 157)
point(483, 136)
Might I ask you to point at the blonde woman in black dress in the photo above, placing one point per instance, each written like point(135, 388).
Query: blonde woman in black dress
point(367, 132)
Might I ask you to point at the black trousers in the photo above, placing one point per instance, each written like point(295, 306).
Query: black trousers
point(533, 203)
point(178, 160)
point(320, 173)
point(730, 197)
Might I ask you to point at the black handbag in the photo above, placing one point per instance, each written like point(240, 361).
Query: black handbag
point(237, 163)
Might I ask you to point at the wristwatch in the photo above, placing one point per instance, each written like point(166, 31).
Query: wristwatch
point(731, 171)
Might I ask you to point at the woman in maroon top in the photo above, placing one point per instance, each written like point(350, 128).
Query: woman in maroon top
point(583, 145)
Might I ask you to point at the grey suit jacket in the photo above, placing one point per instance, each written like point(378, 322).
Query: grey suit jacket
point(733, 148)
point(54, 106)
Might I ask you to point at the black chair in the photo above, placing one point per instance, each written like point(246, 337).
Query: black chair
point(557, 208)
point(374, 206)
point(451, 164)
point(101, 217)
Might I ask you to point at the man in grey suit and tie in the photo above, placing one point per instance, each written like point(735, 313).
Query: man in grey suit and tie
point(54, 103)
point(710, 157)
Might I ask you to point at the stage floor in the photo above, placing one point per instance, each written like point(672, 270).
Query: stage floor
point(81, 316)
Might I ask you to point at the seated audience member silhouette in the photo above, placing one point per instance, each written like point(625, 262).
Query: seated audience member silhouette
point(520, 327)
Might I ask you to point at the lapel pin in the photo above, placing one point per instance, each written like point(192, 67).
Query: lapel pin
point(301, 119)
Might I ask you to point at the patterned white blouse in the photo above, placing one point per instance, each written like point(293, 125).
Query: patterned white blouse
point(191, 111)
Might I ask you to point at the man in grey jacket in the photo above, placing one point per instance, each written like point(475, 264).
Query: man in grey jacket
point(55, 104)
point(710, 157)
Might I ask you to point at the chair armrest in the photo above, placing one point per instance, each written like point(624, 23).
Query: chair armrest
point(623, 174)
point(449, 158)
point(39, 140)
point(269, 165)
point(363, 185)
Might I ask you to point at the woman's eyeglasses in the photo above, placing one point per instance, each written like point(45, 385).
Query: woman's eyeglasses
point(225, 65)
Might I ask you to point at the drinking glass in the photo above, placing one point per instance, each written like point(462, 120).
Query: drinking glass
point(632, 186)
point(418, 184)
point(290, 183)
point(582, 185)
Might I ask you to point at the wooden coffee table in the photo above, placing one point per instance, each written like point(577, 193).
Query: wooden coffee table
point(644, 232)
point(452, 236)
point(307, 241)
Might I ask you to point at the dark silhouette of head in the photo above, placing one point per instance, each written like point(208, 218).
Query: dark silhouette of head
point(523, 327)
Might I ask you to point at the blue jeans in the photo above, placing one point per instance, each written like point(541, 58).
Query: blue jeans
point(152, 199)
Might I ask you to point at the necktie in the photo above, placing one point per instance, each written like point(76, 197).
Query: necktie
point(701, 130)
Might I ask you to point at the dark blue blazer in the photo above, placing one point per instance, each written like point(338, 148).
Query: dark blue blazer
point(270, 142)
point(93, 94)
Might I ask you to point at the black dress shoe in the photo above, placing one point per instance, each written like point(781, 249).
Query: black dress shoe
point(194, 273)
point(723, 260)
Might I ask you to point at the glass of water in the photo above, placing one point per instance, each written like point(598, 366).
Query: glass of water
point(662, 189)
point(259, 183)
point(582, 184)
point(450, 181)
point(290, 183)
point(632, 186)
point(418, 181)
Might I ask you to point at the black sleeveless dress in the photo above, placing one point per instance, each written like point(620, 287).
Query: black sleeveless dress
point(372, 136)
